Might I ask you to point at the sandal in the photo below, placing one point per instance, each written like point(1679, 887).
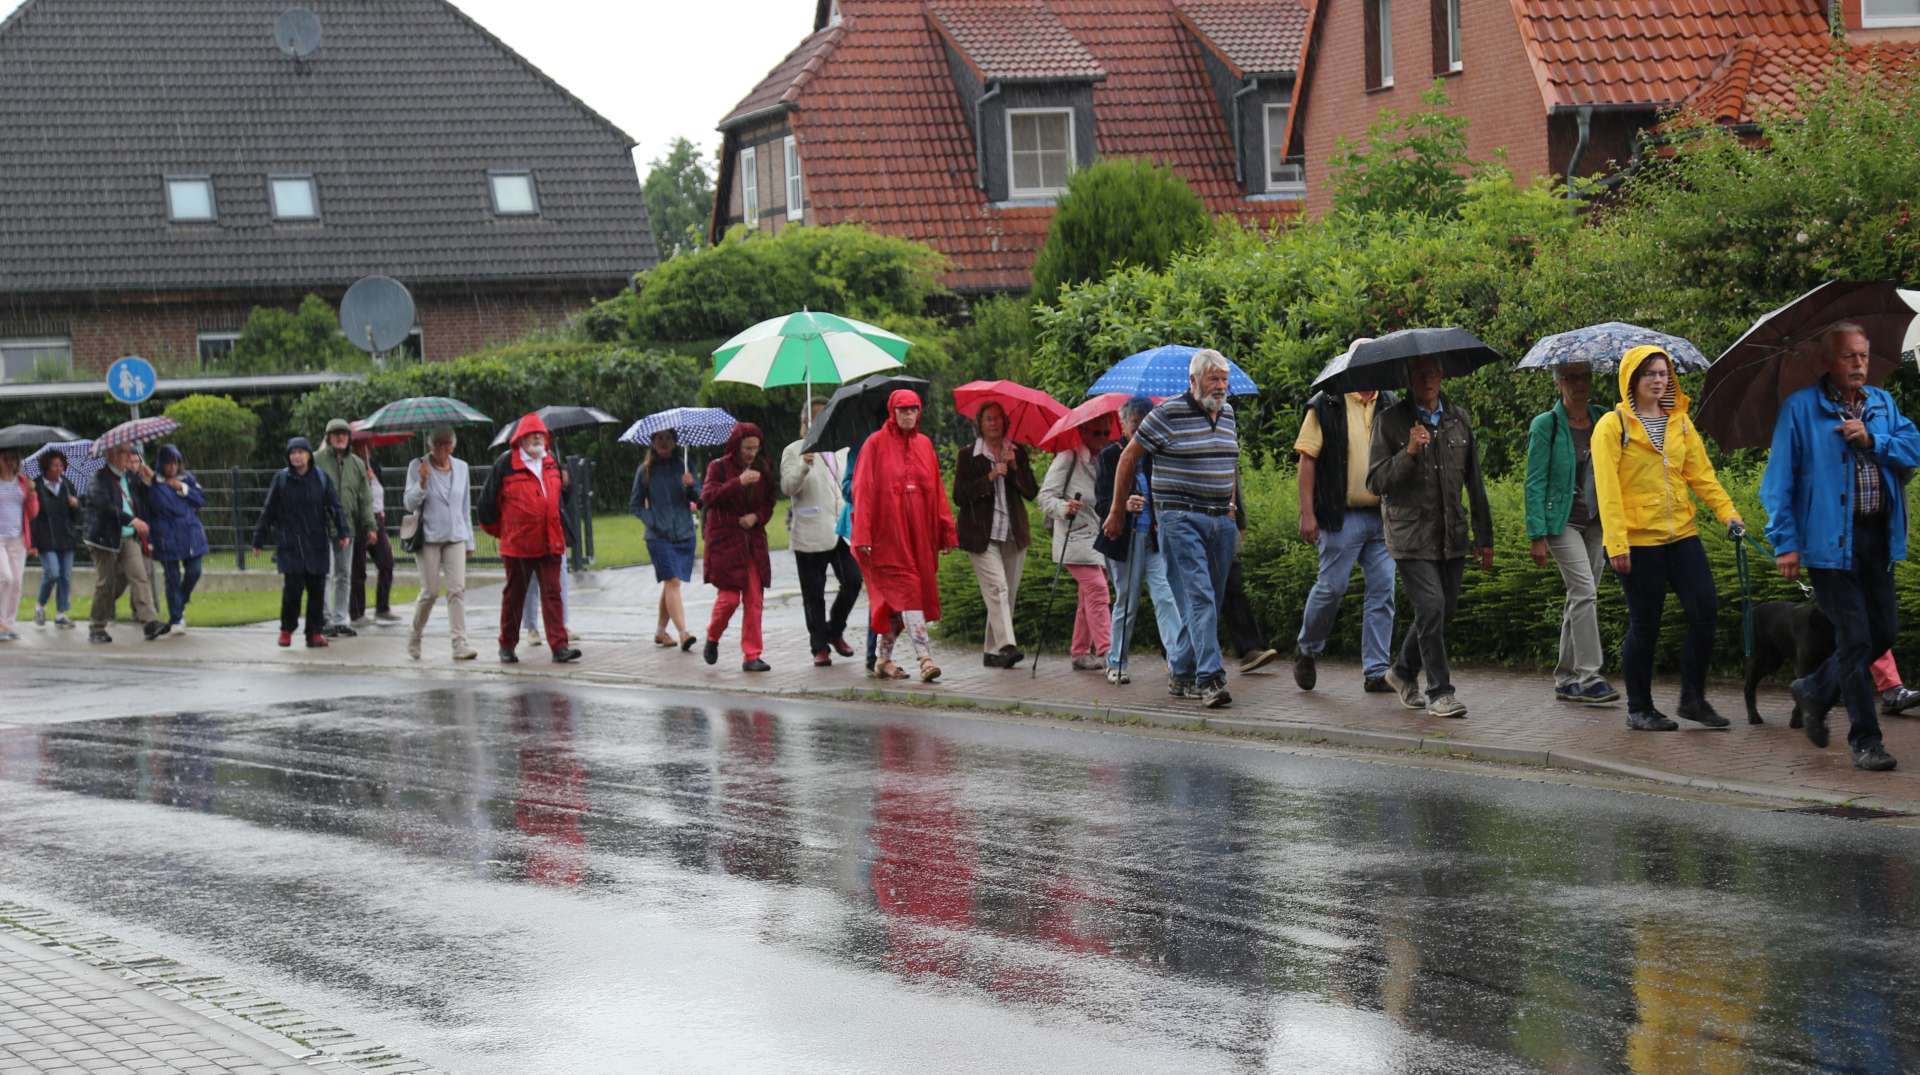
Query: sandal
point(660, 639)
point(888, 670)
point(928, 670)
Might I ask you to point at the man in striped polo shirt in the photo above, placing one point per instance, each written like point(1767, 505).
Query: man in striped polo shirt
point(1196, 455)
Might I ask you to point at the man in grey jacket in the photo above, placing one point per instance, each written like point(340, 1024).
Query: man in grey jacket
point(1423, 457)
point(813, 480)
point(349, 474)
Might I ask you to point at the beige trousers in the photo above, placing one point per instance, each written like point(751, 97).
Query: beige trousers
point(443, 561)
point(124, 571)
point(998, 570)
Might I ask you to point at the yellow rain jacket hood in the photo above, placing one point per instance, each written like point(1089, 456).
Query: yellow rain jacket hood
point(1642, 489)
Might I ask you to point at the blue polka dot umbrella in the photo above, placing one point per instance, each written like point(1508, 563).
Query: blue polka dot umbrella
point(1163, 372)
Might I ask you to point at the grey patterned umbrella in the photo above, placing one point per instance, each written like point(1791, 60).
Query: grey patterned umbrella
point(1602, 346)
point(82, 465)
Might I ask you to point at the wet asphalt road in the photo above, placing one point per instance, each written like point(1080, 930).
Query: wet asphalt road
point(500, 878)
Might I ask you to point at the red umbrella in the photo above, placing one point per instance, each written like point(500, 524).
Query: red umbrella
point(361, 435)
point(1030, 412)
point(1065, 433)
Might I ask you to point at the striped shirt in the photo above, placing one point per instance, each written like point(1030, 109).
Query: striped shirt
point(1656, 431)
point(1195, 456)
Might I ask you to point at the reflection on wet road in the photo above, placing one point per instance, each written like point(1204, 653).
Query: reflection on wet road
point(512, 879)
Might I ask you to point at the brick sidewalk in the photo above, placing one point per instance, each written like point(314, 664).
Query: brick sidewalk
point(1513, 715)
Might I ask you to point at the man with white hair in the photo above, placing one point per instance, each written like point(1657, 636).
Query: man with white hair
point(1195, 449)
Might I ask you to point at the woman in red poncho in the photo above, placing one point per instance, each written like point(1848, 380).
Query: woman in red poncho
point(901, 525)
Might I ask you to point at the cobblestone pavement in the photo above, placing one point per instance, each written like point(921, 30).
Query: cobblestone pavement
point(1513, 717)
point(76, 1002)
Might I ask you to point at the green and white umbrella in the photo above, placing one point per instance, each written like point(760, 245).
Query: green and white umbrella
point(808, 348)
point(421, 413)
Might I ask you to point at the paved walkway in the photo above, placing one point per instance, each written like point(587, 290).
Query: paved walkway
point(1513, 716)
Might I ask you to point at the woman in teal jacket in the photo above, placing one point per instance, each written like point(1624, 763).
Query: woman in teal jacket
point(1563, 521)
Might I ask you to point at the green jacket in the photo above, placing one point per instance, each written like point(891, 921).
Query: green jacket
point(1550, 469)
point(349, 474)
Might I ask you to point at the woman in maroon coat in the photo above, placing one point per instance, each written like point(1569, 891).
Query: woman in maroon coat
point(739, 496)
point(902, 522)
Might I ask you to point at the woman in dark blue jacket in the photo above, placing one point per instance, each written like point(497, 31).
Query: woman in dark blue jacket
point(179, 541)
point(665, 495)
point(303, 514)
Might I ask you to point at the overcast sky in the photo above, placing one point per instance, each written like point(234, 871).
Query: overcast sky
point(657, 69)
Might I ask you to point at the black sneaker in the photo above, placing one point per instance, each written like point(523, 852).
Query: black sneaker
point(99, 637)
point(992, 660)
point(1305, 675)
point(1874, 759)
point(1651, 720)
point(1701, 711)
point(1214, 695)
point(156, 629)
point(507, 656)
point(1376, 685)
point(755, 665)
point(566, 656)
point(711, 653)
point(1813, 716)
point(1010, 656)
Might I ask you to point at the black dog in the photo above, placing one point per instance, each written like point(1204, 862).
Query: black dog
point(1783, 630)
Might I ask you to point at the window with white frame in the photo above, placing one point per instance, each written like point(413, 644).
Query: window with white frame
point(294, 197)
point(1282, 177)
point(513, 193)
point(1456, 58)
point(216, 348)
point(35, 359)
point(1890, 12)
point(750, 186)
point(796, 190)
point(1039, 151)
point(190, 199)
point(1384, 20)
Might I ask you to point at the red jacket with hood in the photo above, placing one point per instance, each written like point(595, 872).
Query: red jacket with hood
point(529, 526)
point(901, 515)
point(730, 546)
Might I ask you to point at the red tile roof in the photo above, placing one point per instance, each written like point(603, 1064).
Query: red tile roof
point(1013, 41)
point(885, 142)
point(782, 85)
point(1756, 80)
point(1254, 37)
point(1651, 52)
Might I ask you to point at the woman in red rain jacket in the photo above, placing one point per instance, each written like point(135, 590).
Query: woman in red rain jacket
point(739, 496)
point(902, 522)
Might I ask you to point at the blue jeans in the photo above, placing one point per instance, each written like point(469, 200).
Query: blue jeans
point(1361, 539)
point(1144, 561)
point(182, 577)
point(56, 573)
point(1200, 549)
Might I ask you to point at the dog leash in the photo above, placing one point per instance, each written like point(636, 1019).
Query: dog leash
point(1742, 540)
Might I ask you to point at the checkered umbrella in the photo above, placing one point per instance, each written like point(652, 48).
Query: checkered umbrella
point(138, 431)
point(361, 434)
point(697, 427)
point(421, 413)
point(82, 465)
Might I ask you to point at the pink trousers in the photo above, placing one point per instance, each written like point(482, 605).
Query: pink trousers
point(1886, 674)
point(1093, 619)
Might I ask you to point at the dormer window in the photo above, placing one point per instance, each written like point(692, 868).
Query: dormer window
point(294, 197)
point(190, 199)
point(513, 194)
point(1039, 151)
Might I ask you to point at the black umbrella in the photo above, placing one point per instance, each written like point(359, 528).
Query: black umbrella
point(560, 420)
point(1784, 352)
point(1381, 365)
point(23, 438)
point(856, 411)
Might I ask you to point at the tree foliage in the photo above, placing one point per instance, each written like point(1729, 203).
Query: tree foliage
point(304, 340)
point(215, 432)
point(679, 195)
point(1118, 212)
point(1411, 163)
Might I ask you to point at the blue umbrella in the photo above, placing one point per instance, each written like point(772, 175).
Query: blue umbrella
point(1601, 346)
point(1162, 372)
point(697, 427)
point(82, 465)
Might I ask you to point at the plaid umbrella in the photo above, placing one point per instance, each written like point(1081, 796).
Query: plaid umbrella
point(138, 431)
point(560, 420)
point(1162, 372)
point(18, 438)
point(808, 348)
point(697, 427)
point(1030, 412)
point(1602, 346)
point(361, 435)
point(82, 465)
point(422, 413)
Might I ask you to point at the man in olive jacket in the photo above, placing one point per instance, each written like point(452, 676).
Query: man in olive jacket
point(1423, 456)
point(349, 474)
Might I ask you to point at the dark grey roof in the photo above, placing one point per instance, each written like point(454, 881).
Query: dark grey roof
point(400, 115)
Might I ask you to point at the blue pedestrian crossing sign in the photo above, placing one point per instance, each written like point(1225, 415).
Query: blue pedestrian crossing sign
point(131, 380)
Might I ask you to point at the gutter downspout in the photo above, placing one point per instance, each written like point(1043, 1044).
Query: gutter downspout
point(980, 134)
point(1239, 140)
point(1585, 120)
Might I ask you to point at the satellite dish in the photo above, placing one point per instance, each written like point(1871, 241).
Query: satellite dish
point(297, 33)
point(376, 314)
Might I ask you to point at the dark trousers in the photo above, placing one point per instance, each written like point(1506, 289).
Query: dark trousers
point(1433, 589)
point(292, 586)
point(1243, 627)
point(182, 577)
point(1682, 568)
point(1860, 603)
point(552, 616)
point(823, 627)
point(381, 553)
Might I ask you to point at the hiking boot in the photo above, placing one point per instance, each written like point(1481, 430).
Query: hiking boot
point(1087, 662)
point(1700, 711)
point(1305, 674)
point(1181, 688)
point(1447, 706)
point(755, 665)
point(1375, 685)
point(1214, 695)
point(711, 654)
point(413, 647)
point(1651, 720)
point(286, 639)
point(1259, 659)
point(507, 656)
point(566, 655)
point(156, 629)
point(1874, 759)
point(1812, 714)
point(1897, 699)
point(1407, 689)
point(99, 637)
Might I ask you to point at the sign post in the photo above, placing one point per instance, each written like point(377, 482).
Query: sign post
point(132, 381)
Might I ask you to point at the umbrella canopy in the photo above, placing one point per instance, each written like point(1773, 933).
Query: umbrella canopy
point(1601, 346)
point(560, 420)
point(1065, 433)
point(421, 413)
point(82, 464)
point(697, 427)
point(137, 431)
point(363, 435)
point(855, 412)
point(1162, 372)
point(808, 348)
point(1030, 412)
point(21, 438)
point(1381, 365)
point(1783, 352)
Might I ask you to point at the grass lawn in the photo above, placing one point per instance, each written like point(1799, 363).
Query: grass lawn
point(206, 610)
point(620, 540)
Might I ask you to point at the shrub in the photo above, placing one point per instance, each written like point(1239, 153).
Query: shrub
point(215, 432)
point(1414, 163)
point(1118, 212)
point(276, 341)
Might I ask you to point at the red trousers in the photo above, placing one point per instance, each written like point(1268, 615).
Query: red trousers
point(552, 616)
point(723, 606)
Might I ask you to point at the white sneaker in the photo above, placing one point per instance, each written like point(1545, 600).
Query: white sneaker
point(63, 622)
point(180, 628)
point(531, 638)
point(464, 653)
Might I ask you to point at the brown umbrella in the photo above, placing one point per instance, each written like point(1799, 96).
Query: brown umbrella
point(1783, 352)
